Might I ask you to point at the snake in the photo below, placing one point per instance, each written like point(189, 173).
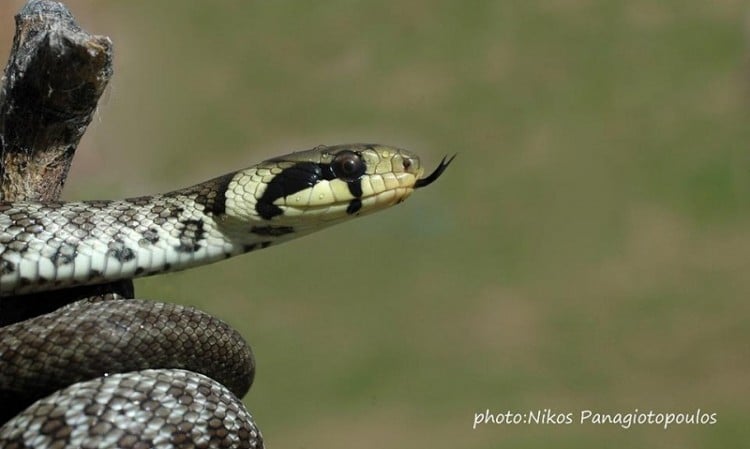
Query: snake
point(131, 373)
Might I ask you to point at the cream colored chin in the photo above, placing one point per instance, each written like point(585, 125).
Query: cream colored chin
point(334, 192)
point(384, 199)
point(337, 211)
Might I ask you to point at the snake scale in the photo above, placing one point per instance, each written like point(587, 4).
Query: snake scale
point(109, 372)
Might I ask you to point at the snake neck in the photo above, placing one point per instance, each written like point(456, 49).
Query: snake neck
point(46, 246)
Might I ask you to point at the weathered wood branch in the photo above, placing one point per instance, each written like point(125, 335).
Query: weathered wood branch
point(54, 78)
point(52, 83)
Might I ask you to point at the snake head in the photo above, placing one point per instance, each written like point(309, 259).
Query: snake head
point(308, 190)
point(329, 183)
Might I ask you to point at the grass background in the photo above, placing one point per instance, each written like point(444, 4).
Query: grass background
point(588, 249)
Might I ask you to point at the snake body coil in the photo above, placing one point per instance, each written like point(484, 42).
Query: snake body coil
point(50, 246)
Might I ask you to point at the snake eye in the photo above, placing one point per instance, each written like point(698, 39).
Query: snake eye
point(348, 165)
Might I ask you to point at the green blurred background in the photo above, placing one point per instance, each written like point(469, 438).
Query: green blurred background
point(588, 249)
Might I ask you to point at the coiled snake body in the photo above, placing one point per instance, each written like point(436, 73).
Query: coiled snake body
point(59, 245)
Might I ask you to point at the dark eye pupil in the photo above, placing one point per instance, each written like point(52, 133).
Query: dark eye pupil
point(348, 165)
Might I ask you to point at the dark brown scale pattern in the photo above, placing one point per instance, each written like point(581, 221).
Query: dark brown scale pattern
point(182, 409)
point(86, 340)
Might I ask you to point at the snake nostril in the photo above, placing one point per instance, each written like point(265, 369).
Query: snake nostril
point(407, 163)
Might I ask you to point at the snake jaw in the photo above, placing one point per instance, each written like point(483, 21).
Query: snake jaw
point(424, 182)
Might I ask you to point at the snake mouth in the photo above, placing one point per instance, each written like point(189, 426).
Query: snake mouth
point(424, 182)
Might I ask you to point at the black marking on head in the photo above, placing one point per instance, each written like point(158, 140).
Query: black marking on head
point(347, 166)
point(355, 188)
point(296, 178)
point(139, 271)
point(267, 210)
point(120, 252)
point(354, 206)
point(191, 234)
point(273, 231)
